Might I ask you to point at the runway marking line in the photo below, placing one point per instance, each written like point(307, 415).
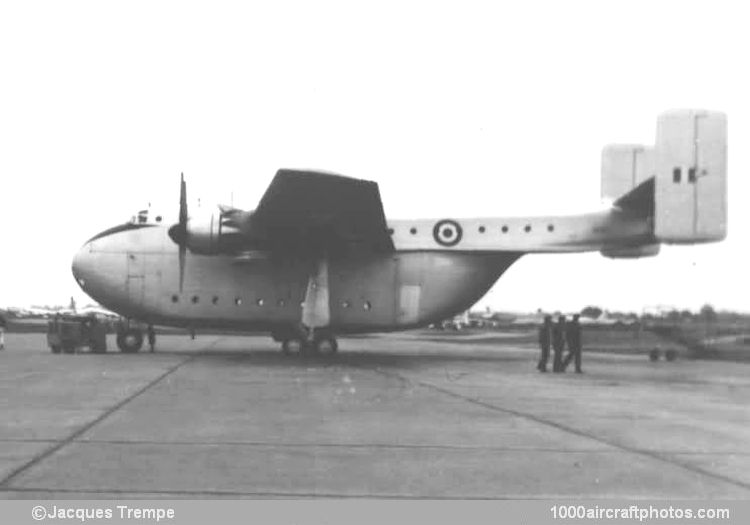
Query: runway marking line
point(565, 428)
point(5, 482)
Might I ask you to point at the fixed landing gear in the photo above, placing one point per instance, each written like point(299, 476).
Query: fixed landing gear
point(321, 344)
point(326, 345)
point(292, 346)
point(129, 340)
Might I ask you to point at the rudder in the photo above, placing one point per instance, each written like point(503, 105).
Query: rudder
point(690, 193)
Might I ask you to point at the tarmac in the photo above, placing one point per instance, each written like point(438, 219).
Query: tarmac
point(393, 416)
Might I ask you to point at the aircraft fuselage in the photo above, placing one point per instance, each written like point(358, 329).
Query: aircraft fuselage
point(433, 274)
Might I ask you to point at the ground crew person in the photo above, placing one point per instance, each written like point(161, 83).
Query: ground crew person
point(573, 338)
point(151, 336)
point(558, 344)
point(545, 339)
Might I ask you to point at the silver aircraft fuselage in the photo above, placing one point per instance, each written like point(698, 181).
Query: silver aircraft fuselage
point(433, 274)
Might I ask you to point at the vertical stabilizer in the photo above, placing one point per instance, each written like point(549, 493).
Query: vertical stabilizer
point(625, 166)
point(690, 193)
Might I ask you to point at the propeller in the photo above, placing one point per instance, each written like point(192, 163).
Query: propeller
point(178, 232)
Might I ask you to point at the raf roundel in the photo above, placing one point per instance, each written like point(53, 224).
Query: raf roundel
point(447, 232)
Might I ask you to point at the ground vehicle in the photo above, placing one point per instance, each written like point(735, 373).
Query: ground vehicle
point(67, 333)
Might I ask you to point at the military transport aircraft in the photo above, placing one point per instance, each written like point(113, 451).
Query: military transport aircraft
point(318, 258)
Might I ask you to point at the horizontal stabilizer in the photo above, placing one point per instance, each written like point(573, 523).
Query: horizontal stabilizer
point(678, 187)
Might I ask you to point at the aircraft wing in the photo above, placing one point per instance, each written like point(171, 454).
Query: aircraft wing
point(315, 212)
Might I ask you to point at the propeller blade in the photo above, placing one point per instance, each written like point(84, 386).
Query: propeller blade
point(183, 203)
point(178, 232)
point(183, 250)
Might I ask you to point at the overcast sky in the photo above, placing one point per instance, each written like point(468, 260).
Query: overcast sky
point(455, 108)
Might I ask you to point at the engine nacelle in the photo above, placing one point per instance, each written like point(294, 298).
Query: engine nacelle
point(213, 234)
point(632, 252)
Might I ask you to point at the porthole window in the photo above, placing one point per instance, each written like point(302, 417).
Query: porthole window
point(481, 229)
point(346, 304)
point(550, 228)
point(527, 228)
point(195, 299)
point(175, 298)
point(215, 299)
point(259, 302)
point(238, 301)
point(413, 231)
point(367, 305)
point(504, 229)
point(281, 302)
point(158, 218)
point(390, 231)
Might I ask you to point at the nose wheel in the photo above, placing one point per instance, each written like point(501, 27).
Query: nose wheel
point(129, 340)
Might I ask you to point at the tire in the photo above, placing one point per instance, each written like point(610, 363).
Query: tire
point(69, 348)
point(670, 355)
point(130, 341)
point(326, 346)
point(292, 346)
point(55, 349)
point(653, 355)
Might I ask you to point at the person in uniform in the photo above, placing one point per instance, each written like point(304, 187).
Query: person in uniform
point(573, 338)
point(558, 344)
point(151, 336)
point(545, 339)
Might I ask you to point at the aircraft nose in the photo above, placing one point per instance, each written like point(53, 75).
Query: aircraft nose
point(80, 265)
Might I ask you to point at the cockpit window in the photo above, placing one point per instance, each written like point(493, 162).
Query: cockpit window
point(119, 228)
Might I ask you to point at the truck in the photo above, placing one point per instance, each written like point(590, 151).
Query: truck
point(69, 333)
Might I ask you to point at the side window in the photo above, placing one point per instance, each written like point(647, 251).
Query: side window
point(691, 174)
point(677, 175)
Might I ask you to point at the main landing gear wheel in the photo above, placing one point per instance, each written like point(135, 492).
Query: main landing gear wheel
point(292, 346)
point(326, 346)
point(129, 341)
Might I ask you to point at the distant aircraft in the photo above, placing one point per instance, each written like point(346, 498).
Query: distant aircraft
point(318, 258)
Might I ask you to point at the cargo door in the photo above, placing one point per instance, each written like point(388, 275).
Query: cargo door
point(408, 312)
point(135, 280)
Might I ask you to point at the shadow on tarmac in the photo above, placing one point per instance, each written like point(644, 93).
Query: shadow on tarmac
point(352, 358)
